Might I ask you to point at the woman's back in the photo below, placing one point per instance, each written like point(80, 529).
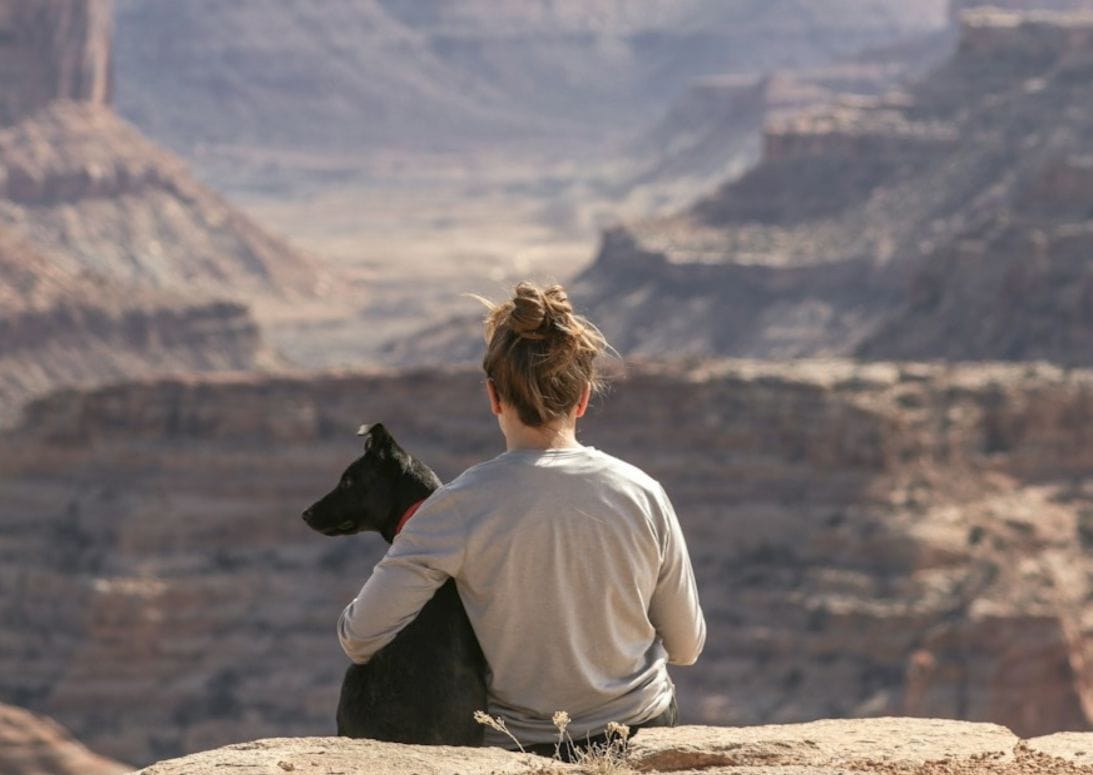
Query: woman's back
point(558, 555)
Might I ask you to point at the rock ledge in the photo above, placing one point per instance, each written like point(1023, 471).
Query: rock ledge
point(895, 746)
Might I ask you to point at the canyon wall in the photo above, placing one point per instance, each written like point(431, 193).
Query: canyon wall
point(893, 539)
point(945, 220)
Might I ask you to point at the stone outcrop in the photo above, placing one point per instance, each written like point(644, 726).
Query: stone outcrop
point(85, 187)
point(886, 539)
point(942, 221)
point(1016, 292)
point(883, 746)
point(32, 745)
point(713, 131)
point(114, 261)
point(53, 50)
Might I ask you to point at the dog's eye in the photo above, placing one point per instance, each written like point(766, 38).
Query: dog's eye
point(346, 483)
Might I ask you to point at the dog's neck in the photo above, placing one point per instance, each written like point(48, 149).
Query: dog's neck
point(419, 484)
point(407, 514)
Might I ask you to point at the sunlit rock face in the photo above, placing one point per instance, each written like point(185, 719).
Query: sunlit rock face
point(893, 539)
point(883, 746)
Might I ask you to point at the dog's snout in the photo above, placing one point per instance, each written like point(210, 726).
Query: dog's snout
point(308, 514)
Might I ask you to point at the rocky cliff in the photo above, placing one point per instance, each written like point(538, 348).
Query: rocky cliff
point(886, 746)
point(114, 261)
point(31, 745)
point(899, 226)
point(86, 187)
point(869, 540)
point(53, 50)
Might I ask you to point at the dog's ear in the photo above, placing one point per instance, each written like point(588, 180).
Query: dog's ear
point(374, 435)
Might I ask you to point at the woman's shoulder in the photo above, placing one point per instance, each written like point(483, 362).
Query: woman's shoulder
point(627, 470)
point(476, 474)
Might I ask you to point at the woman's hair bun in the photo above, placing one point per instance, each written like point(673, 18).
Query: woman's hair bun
point(536, 314)
point(540, 355)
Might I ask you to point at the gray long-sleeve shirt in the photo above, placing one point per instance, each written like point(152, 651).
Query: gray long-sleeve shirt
point(575, 576)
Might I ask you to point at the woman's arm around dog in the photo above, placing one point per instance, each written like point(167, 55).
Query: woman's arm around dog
point(428, 552)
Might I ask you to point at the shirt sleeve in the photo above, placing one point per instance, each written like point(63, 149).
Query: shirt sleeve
point(674, 609)
point(427, 552)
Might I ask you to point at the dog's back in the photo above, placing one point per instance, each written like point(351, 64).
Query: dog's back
point(425, 685)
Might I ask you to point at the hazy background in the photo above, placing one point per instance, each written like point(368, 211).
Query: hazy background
point(467, 145)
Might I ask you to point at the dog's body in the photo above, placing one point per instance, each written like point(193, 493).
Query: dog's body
point(425, 685)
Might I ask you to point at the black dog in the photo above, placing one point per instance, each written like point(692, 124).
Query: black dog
point(425, 685)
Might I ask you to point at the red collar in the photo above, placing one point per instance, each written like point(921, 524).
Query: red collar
point(406, 515)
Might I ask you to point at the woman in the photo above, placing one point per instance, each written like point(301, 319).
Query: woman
point(570, 563)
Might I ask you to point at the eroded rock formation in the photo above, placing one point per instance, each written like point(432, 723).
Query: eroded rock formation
point(870, 540)
point(114, 261)
point(53, 50)
point(85, 186)
point(945, 221)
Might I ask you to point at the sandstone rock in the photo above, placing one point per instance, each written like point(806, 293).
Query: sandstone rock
point(888, 746)
point(114, 261)
point(828, 743)
point(53, 50)
point(32, 745)
point(85, 187)
point(355, 757)
point(1076, 747)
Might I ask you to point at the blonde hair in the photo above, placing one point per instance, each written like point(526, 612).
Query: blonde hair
point(540, 354)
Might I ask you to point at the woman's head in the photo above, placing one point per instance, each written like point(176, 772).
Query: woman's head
point(540, 355)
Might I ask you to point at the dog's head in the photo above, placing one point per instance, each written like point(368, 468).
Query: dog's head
point(372, 492)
